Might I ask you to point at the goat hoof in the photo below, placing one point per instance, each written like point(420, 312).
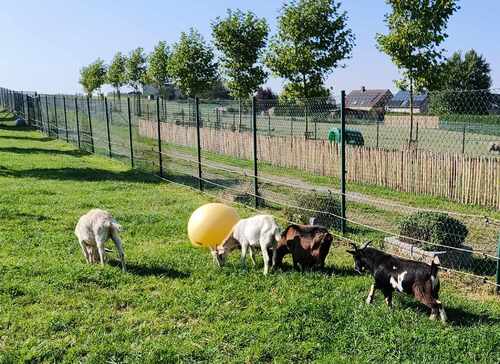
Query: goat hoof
point(432, 317)
point(368, 301)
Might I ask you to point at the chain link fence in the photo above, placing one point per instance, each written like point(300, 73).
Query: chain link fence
point(285, 157)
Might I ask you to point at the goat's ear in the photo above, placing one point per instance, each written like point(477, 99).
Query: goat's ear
point(352, 252)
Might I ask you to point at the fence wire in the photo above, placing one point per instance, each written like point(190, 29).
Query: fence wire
point(279, 155)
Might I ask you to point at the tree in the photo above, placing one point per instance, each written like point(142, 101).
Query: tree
point(136, 69)
point(93, 76)
point(191, 64)
point(265, 94)
point(116, 76)
point(241, 37)
point(465, 84)
point(157, 72)
point(416, 29)
point(313, 38)
point(218, 92)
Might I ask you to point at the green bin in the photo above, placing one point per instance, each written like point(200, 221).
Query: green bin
point(353, 137)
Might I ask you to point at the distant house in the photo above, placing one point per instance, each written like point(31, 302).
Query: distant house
point(368, 100)
point(401, 102)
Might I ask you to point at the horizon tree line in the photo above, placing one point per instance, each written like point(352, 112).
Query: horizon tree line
point(313, 38)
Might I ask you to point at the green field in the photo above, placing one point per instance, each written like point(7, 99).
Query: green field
point(173, 305)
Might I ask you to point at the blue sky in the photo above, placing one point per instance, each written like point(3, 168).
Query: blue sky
point(44, 44)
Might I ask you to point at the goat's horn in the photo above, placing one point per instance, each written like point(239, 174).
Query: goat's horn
point(365, 245)
point(354, 246)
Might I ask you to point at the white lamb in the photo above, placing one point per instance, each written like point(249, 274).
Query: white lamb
point(257, 231)
point(93, 230)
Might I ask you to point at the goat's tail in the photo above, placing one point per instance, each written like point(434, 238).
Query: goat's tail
point(435, 266)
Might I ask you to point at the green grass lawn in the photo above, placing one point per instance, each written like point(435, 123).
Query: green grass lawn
point(173, 305)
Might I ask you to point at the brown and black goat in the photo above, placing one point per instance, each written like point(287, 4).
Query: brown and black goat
point(392, 273)
point(308, 244)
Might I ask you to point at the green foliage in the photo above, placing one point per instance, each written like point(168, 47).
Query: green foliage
point(313, 38)
point(241, 37)
point(217, 92)
point(157, 72)
point(191, 64)
point(416, 30)
point(466, 81)
point(294, 92)
point(93, 76)
point(436, 228)
point(319, 202)
point(136, 69)
point(471, 72)
point(116, 75)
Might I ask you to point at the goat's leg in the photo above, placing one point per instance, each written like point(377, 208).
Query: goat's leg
point(84, 250)
point(251, 253)
point(265, 257)
point(100, 249)
point(388, 297)
point(119, 247)
point(425, 296)
point(369, 299)
point(243, 258)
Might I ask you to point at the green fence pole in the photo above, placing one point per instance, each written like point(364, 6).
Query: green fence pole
point(342, 163)
point(77, 124)
point(130, 133)
point(48, 117)
point(107, 127)
point(254, 129)
point(158, 125)
point(90, 126)
point(65, 118)
point(55, 117)
point(198, 142)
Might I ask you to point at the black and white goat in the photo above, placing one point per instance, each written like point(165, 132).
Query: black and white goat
point(392, 273)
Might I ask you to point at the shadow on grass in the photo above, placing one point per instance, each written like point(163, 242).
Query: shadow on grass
point(330, 270)
point(155, 270)
point(34, 139)
point(16, 128)
point(15, 150)
point(456, 316)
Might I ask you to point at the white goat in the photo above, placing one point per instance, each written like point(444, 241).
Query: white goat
point(93, 230)
point(257, 231)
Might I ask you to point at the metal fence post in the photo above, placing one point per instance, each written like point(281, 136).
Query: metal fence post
point(48, 117)
point(198, 142)
point(107, 127)
point(307, 121)
point(158, 125)
point(342, 163)
point(65, 118)
point(378, 132)
point(498, 265)
point(55, 118)
point(254, 129)
point(130, 133)
point(90, 126)
point(77, 124)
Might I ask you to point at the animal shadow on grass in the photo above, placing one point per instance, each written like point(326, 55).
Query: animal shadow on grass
point(34, 139)
point(456, 316)
point(74, 153)
point(151, 270)
point(330, 270)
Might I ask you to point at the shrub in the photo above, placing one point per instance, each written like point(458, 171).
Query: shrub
point(316, 201)
point(436, 228)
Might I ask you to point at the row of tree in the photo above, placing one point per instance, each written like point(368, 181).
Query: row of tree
point(312, 39)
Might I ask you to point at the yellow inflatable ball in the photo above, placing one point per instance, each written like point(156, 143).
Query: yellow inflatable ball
point(209, 225)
